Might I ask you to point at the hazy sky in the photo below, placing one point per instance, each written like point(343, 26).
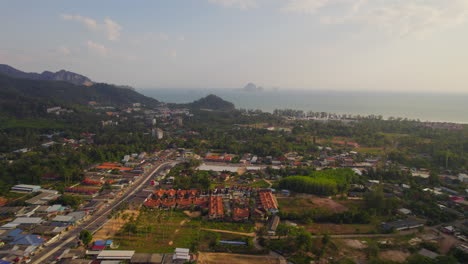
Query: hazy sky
point(408, 45)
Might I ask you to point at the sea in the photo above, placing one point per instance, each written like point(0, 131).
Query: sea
point(435, 107)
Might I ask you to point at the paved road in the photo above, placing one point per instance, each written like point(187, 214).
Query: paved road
point(96, 221)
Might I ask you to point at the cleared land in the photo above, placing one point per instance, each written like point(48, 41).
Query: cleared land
point(308, 202)
point(339, 229)
point(162, 231)
point(113, 226)
point(225, 258)
point(394, 255)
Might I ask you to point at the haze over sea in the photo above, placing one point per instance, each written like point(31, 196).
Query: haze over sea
point(442, 107)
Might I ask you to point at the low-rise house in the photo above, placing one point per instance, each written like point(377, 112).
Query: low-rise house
point(402, 224)
point(428, 254)
point(25, 188)
point(404, 211)
point(28, 220)
point(240, 214)
point(115, 255)
point(181, 255)
point(273, 225)
point(44, 197)
point(216, 208)
point(147, 258)
point(267, 202)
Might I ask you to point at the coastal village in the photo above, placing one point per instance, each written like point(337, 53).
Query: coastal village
point(137, 212)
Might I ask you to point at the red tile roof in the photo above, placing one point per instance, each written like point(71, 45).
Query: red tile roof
point(240, 213)
point(267, 201)
point(216, 207)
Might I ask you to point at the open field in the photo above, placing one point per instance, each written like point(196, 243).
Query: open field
point(162, 231)
point(260, 184)
point(113, 226)
point(298, 204)
point(157, 232)
point(225, 258)
point(339, 229)
point(394, 255)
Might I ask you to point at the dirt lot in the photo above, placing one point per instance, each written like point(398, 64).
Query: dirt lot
point(353, 243)
point(307, 201)
point(114, 225)
point(225, 258)
point(192, 214)
point(394, 255)
point(339, 229)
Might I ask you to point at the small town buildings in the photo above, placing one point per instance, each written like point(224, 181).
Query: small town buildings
point(402, 224)
point(273, 225)
point(25, 188)
point(147, 258)
point(181, 255)
point(240, 214)
point(115, 255)
point(428, 254)
point(216, 208)
point(44, 197)
point(404, 211)
point(27, 221)
point(267, 202)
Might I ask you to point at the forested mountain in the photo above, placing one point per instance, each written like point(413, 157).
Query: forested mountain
point(61, 75)
point(28, 98)
point(212, 102)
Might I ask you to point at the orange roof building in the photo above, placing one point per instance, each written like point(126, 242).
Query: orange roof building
point(216, 208)
point(267, 202)
point(240, 214)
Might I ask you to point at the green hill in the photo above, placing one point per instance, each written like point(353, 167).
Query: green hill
point(26, 98)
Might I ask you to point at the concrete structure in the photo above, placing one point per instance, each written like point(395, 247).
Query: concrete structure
point(115, 255)
point(25, 188)
point(273, 225)
point(181, 255)
point(27, 220)
point(147, 258)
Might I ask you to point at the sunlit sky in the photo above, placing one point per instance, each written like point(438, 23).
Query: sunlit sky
point(382, 45)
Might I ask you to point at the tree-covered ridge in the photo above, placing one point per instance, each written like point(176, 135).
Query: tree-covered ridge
point(28, 98)
point(326, 182)
point(212, 102)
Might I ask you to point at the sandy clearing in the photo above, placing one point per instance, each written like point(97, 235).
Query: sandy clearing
point(226, 258)
point(394, 255)
point(114, 225)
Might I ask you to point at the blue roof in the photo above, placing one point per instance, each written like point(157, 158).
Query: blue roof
point(4, 262)
point(30, 240)
point(109, 242)
point(100, 243)
point(232, 242)
point(15, 232)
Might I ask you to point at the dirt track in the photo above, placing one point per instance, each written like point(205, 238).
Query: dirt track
point(230, 232)
point(225, 258)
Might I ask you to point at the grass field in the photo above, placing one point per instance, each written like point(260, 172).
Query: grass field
point(162, 231)
point(338, 229)
point(158, 232)
point(260, 184)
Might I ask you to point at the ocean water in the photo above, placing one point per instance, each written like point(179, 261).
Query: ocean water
point(423, 106)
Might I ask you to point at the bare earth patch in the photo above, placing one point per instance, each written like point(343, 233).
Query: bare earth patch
point(353, 243)
point(225, 258)
point(113, 226)
point(394, 255)
point(339, 229)
point(307, 201)
point(192, 214)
